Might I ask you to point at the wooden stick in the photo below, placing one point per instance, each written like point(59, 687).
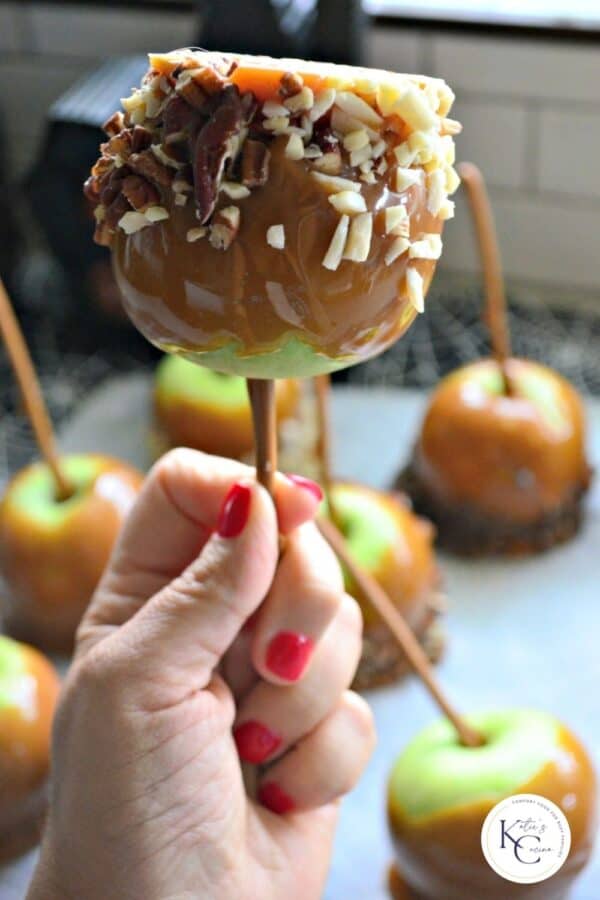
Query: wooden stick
point(399, 627)
point(322, 385)
point(262, 400)
point(489, 252)
point(29, 385)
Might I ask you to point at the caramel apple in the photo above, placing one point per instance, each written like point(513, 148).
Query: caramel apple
point(28, 691)
point(274, 218)
point(53, 550)
point(501, 472)
point(210, 411)
point(440, 793)
point(396, 548)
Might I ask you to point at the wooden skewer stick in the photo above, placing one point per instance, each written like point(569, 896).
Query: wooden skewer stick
point(261, 392)
point(399, 627)
point(489, 252)
point(29, 385)
point(322, 385)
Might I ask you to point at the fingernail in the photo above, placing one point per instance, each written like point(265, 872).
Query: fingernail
point(288, 653)
point(271, 796)
point(235, 511)
point(255, 742)
point(311, 486)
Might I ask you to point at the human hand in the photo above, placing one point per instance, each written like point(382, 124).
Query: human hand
point(198, 627)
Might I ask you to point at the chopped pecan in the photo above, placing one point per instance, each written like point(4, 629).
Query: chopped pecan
point(91, 189)
point(216, 143)
point(102, 166)
point(111, 184)
point(177, 116)
point(255, 164)
point(116, 210)
point(139, 192)
point(119, 144)
point(103, 234)
point(141, 139)
point(291, 83)
point(192, 93)
point(225, 227)
point(114, 125)
point(146, 164)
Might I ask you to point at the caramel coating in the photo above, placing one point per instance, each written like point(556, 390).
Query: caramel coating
point(408, 571)
point(440, 858)
point(214, 429)
point(190, 298)
point(25, 728)
point(504, 456)
point(52, 573)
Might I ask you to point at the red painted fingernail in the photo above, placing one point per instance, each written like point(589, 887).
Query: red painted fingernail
point(235, 511)
point(271, 796)
point(255, 742)
point(288, 653)
point(311, 486)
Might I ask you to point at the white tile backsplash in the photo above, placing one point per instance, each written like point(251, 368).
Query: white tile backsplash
point(95, 33)
point(518, 67)
point(570, 153)
point(494, 137)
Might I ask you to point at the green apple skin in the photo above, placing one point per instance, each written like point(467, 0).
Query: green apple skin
point(177, 378)
point(440, 793)
point(392, 544)
point(52, 553)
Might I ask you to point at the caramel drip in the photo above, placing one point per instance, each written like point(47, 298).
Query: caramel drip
point(398, 626)
point(323, 395)
point(489, 253)
point(261, 392)
point(25, 374)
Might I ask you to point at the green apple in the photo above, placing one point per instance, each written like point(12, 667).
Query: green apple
point(391, 543)
point(178, 379)
point(440, 792)
point(52, 552)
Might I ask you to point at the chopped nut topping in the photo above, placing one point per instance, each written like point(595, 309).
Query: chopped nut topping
point(300, 102)
point(335, 251)
point(343, 123)
point(323, 103)
point(272, 110)
point(379, 148)
point(225, 227)
point(452, 180)
point(291, 83)
point(414, 109)
point(450, 126)
point(358, 108)
point(436, 191)
point(114, 125)
point(131, 222)
point(447, 210)
point(358, 157)
point(276, 237)
point(194, 234)
point(165, 158)
point(146, 164)
point(180, 199)
point(234, 190)
point(359, 238)
point(397, 220)
point(312, 152)
point(404, 155)
point(255, 164)
point(191, 91)
point(348, 202)
point(429, 247)
point(156, 213)
point(334, 185)
point(277, 124)
point(399, 246)
point(217, 143)
point(329, 163)
point(295, 147)
point(414, 287)
point(405, 178)
point(139, 192)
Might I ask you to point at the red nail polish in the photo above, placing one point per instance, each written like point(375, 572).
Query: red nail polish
point(288, 653)
point(255, 742)
point(311, 486)
point(271, 796)
point(235, 511)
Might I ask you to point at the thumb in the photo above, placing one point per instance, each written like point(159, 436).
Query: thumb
point(176, 640)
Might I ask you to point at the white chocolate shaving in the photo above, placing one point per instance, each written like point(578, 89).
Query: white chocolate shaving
point(399, 246)
point(414, 108)
point(348, 202)
point(294, 149)
point(333, 185)
point(405, 178)
point(397, 220)
point(359, 238)
point(428, 247)
point(436, 191)
point(335, 251)
point(358, 108)
point(414, 288)
point(276, 237)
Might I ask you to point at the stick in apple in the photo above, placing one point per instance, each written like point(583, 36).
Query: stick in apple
point(489, 251)
point(261, 392)
point(397, 624)
point(32, 395)
point(322, 385)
